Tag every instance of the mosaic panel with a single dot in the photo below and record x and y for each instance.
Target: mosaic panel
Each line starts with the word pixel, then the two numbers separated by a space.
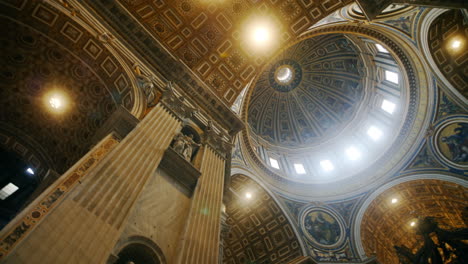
pixel 322 227
pixel 450 141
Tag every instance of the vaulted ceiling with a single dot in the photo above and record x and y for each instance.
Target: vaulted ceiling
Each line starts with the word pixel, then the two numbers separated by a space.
pixel 260 232
pixel 46 51
pixel 208 36
pixel 386 224
pixel 450 26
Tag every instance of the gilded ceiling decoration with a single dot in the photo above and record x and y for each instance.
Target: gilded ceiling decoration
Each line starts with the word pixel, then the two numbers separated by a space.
pixel 386 224
pixel 259 230
pixel 45 52
pixel 449 27
pixel 207 35
pixel 324 92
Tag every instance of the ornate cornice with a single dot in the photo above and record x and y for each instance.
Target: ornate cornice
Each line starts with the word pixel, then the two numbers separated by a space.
pixel 123 26
pixel 176 104
pixel 217 142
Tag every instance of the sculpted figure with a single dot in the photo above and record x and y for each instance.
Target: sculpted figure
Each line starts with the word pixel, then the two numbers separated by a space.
pixel 148 88
pixel 189 144
pixel 179 144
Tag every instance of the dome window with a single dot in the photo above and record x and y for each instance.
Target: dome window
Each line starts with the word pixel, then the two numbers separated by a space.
pixel 353 153
pixel 299 168
pixel 380 48
pixel 388 106
pixel 374 133
pixel 391 76
pixel 284 74
pixel 274 163
pixel 327 165
pixel 8 190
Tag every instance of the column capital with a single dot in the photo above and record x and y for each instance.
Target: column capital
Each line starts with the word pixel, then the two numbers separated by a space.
pixel 176 104
pixel 216 142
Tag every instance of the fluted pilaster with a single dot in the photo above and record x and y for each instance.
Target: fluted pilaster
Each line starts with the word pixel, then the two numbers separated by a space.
pixel 200 242
pixel 85 226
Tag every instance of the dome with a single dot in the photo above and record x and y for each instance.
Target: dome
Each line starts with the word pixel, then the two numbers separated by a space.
pixel 309 93
pixel 328 109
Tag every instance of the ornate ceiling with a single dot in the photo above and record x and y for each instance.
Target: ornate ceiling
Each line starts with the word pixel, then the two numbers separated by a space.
pixel 45 52
pixel 207 35
pixel 259 230
pixel 385 225
pixel 323 94
pixel 452 63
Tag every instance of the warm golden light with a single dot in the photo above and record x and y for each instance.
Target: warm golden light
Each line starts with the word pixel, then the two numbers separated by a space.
pixel 56 101
pixel 413 223
pixel 394 200
pixel 248 195
pixel 456 44
pixel 260 34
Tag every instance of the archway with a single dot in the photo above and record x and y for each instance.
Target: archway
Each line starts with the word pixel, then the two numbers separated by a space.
pixel 389 216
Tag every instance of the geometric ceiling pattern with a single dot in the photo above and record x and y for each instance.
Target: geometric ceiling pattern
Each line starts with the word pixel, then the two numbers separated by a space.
pixel 450 26
pixel 259 230
pixel 208 37
pixel 47 51
pixel 386 224
pixel 321 98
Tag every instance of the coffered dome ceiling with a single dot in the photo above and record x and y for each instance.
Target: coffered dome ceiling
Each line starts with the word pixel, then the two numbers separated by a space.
pixel 47 53
pixel 332 108
pixel 309 93
pixel 206 35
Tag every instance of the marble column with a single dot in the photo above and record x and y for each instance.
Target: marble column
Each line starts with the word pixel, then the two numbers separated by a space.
pixel 201 239
pixel 87 223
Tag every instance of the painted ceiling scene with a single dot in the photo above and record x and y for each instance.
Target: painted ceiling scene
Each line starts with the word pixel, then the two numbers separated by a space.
pixel 345 123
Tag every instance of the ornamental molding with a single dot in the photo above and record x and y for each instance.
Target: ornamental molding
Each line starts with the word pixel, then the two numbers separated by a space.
pixel 176 104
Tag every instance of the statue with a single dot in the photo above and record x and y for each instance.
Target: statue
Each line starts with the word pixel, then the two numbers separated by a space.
pixel 148 88
pixel 189 144
pixel 179 143
pixel 183 145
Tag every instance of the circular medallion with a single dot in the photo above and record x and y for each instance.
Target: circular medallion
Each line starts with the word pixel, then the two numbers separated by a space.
pixel 451 142
pixel 323 227
pixel 285 75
